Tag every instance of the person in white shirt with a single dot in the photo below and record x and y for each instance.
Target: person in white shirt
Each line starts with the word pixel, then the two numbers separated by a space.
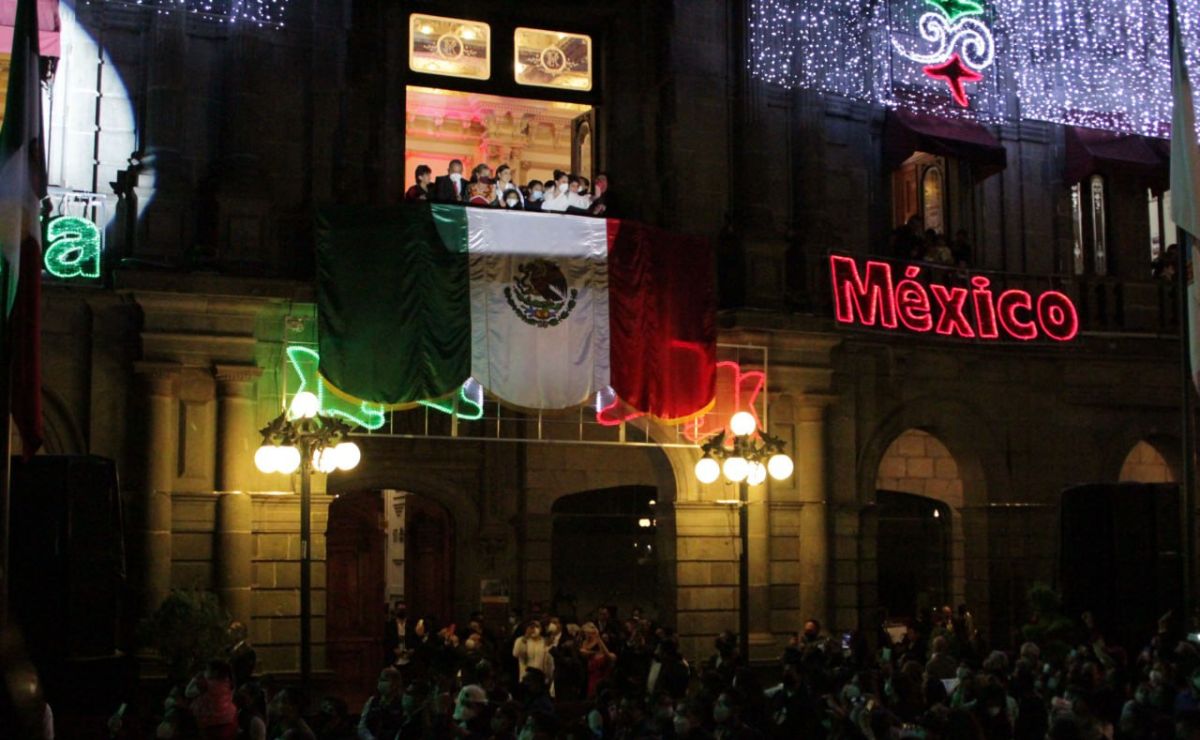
pixel 504 185
pixel 577 197
pixel 532 651
pixel 558 198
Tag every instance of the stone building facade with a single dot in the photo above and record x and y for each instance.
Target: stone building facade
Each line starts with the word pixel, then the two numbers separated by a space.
pixel 212 144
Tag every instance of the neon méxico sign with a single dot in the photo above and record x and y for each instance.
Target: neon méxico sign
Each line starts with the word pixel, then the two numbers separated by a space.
pixel 873 298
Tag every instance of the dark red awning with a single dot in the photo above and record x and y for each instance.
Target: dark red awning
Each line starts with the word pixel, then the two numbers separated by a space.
pixel 905 133
pixel 1093 152
pixel 49 26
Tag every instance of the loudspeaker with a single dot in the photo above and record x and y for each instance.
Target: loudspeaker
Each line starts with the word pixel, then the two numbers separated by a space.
pixel 1121 556
pixel 67 555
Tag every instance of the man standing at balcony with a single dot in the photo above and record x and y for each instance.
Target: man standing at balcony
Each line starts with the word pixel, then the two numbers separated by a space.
pixel 450 187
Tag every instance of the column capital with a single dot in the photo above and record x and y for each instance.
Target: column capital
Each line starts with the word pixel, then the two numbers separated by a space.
pixel 236 380
pixel 159 377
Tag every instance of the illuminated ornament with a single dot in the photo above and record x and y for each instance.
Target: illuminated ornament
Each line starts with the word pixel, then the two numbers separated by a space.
pixel 261 13
pixel 955 75
pixel 73 248
pixel 347 455
pixel 325 460
pixel 287 459
pixel 737 390
pixel 469 403
pixel 265 459
pixel 743 424
pixel 956 8
pixel 304 363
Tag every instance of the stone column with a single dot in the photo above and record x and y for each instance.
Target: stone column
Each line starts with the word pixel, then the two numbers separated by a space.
pixel 762 641
pixel 811 482
pixel 233 551
pixel 239 438
pixel 161 388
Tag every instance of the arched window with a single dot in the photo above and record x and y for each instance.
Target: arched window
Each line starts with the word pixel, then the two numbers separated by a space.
pixel 1089 227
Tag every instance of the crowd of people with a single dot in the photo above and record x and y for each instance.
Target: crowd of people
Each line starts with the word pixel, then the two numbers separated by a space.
pixel 565 193
pixel 912 241
pixel 622 679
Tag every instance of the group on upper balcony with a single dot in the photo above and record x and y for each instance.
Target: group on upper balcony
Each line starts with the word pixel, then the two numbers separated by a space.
pixel 566 193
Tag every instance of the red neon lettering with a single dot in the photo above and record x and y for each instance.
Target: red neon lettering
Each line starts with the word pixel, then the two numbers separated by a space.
pixel 1057 315
pixel 912 302
pixel 975 312
pixel 871 300
pixel 1006 307
pixel 985 310
pixel 953 320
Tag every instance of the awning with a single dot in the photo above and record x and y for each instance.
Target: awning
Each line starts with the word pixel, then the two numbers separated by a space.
pixel 49 26
pixel 1093 152
pixel 905 133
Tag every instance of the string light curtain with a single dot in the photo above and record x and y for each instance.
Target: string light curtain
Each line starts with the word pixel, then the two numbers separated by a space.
pixel 258 12
pixel 1094 63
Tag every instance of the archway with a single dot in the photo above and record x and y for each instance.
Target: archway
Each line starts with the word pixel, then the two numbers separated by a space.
pixel 916 525
pixel 1145 463
pixel 382 546
pixel 605 552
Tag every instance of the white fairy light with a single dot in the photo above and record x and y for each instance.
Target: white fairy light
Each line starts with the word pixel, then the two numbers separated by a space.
pixel 262 13
pixel 1095 63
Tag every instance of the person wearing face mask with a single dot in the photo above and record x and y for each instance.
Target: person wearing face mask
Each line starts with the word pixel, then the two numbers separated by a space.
pixel 512 200
pixel 505 185
pixel 532 651
pixel 578 201
pixel 452 186
pixel 536 194
pixel 383 715
pixel 418 712
pixel 558 197
pixel 470 713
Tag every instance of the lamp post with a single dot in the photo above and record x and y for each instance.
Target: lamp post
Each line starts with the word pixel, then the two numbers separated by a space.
pixel 302 438
pixel 747 462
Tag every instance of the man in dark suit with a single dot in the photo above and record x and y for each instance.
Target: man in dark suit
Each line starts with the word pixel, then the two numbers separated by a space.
pixel 451 187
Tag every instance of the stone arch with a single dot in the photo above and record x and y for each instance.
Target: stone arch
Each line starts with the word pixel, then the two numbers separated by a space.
pixel 965 433
pixel 918 463
pixel 1146 464
pixel 1151 443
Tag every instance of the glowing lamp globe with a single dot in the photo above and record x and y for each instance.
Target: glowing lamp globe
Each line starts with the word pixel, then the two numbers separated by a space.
pixel 736 469
pixel 757 474
pixel 287 459
pixel 347 455
pixel 324 460
pixel 305 405
pixel 707 470
pixel 780 466
pixel 742 423
pixel 265 459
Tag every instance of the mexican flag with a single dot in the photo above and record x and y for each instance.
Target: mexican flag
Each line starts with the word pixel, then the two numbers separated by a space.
pixel 22 187
pixel 543 310
pixel 1185 182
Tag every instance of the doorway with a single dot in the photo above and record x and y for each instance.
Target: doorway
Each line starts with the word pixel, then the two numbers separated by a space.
pixel 382 546
pixel 913 550
pixel 533 137
pixel 604 551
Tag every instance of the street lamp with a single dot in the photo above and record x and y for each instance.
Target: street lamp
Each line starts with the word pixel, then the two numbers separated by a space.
pixel 747 462
pixel 302 438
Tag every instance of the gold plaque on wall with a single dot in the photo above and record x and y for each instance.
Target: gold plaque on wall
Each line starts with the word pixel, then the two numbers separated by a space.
pixel 449 46
pixel 553 59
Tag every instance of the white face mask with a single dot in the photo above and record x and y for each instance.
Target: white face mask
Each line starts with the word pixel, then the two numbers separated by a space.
pixel 512 202
pixel 535 195
pixel 456 177
pixel 562 187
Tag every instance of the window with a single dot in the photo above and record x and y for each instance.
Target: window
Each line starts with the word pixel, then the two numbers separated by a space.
pixel 1162 226
pixel 553 59
pixel 449 46
pixel 1089 228
pixel 931 199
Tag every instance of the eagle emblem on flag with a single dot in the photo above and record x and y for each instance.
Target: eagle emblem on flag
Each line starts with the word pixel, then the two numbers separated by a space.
pixel 539 294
